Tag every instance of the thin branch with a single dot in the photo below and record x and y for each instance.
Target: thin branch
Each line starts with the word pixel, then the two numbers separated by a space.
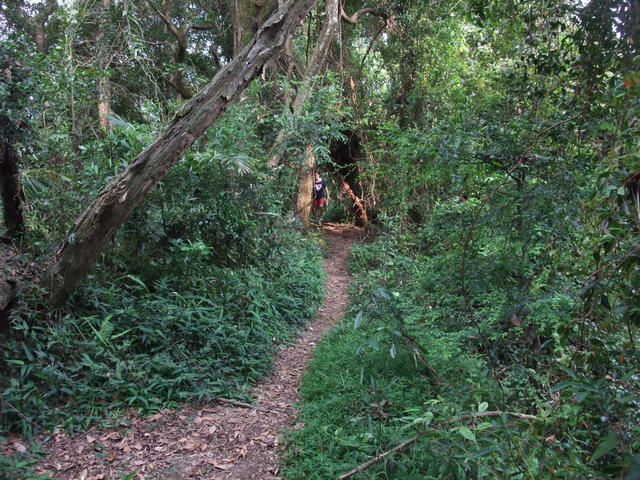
pixel 419 435
pixel 246 405
pixel 22 415
pixel 373 41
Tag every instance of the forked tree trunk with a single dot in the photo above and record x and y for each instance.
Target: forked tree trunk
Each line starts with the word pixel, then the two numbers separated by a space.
pixel 100 221
pixel 12 196
pixel 247 18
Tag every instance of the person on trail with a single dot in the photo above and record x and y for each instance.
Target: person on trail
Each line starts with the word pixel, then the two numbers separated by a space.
pixel 320 197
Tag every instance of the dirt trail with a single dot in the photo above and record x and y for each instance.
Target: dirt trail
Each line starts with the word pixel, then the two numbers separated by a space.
pixel 217 441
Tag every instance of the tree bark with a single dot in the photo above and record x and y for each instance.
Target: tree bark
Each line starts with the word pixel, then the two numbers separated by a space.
pixel 305 186
pixel 100 221
pixel 12 196
pixel 248 15
pixel 104 85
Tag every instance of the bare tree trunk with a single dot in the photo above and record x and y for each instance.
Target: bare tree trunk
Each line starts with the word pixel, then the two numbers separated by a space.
pixel 316 62
pixel 100 221
pixel 104 87
pixel 12 196
pixel 305 186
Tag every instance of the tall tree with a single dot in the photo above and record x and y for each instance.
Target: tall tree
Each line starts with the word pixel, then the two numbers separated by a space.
pixel 32 18
pixel 180 34
pixel 104 61
pixel 99 222
pixel 308 166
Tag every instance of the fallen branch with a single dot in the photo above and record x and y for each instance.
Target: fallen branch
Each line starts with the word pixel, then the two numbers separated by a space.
pixel 362 211
pixel 418 436
pixel 246 405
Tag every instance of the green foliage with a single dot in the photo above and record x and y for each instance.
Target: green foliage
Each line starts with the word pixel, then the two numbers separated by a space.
pixel 196 291
pixel 127 343
pixel 505 269
pixel 15 87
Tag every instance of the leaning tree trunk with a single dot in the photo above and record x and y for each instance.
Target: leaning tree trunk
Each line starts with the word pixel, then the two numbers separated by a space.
pixel 99 222
pixel 11 189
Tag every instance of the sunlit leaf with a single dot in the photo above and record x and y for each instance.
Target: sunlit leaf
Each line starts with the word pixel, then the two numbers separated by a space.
pixel 466 433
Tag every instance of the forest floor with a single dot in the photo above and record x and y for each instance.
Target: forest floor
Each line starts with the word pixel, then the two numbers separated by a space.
pixel 222 440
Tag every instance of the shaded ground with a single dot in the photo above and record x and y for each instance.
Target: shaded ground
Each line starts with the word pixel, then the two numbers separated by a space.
pixel 224 440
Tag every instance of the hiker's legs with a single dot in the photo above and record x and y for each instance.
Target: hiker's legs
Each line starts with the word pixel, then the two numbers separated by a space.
pixel 322 206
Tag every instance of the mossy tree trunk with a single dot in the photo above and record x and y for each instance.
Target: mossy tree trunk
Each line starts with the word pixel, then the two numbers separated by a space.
pixel 100 221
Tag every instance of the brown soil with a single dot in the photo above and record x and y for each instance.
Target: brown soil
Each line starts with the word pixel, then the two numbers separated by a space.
pixel 221 440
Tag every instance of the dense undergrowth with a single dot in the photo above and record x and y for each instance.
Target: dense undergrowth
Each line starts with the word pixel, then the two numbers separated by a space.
pixel 410 361
pixel 495 319
pixel 187 304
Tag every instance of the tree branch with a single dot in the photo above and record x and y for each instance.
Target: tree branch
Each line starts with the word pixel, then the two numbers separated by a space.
pixel 373 41
pixel 353 19
pixel 419 435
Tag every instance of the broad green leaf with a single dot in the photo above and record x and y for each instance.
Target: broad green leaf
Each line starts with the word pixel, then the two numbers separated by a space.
pixel 483 451
pixel 137 280
pixel 562 385
pixel 606 445
pixel 466 433
pixel 358 320
pixel 382 293
pixel 483 407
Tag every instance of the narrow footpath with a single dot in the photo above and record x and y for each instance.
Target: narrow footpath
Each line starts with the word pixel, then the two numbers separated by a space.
pixel 224 440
